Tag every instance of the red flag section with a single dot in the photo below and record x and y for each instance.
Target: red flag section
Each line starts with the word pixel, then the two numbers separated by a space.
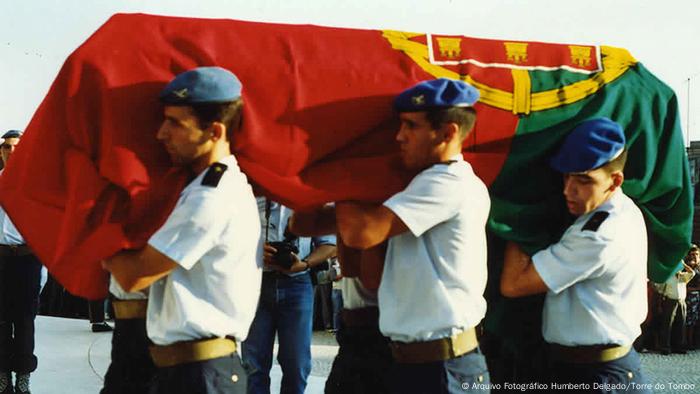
pixel 89 177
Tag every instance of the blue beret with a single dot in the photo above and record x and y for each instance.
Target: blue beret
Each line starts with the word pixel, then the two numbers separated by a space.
pixel 436 93
pixel 12 134
pixel 202 85
pixel 590 145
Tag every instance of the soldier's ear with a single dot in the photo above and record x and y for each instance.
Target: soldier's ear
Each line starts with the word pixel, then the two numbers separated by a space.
pixel 617 178
pixel 218 131
pixel 449 130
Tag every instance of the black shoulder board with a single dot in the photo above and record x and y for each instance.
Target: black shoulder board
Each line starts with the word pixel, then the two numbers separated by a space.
pixel 214 174
pixel 595 221
pixel 447 163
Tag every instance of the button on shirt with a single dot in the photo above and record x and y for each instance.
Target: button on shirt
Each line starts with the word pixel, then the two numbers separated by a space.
pixel 9 235
pixel 596 279
pixel 213 234
pixel 279 217
pixel 435 274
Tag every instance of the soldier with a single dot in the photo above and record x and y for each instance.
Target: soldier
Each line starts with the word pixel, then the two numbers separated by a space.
pixel 20 272
pixel 595 276
pixel 131 370
pixel 203 265
pixel 431 292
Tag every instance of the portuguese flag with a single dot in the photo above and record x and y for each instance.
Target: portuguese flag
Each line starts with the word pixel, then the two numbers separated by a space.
pixel 89 177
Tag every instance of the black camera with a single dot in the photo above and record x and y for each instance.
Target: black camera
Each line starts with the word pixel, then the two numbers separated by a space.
pixel 283 257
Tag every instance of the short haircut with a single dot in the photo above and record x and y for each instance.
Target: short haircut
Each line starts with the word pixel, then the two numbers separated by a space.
pixel 228 113
pixel 464 117
pixel 694 248
pixel 616 164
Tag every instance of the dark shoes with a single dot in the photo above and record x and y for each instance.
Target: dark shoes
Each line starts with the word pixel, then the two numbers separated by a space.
pixel 101 327
pixel 674 351
pixel 22 384
pixel 6 383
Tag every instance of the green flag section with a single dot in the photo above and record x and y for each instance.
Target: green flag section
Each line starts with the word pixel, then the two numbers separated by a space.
pixel 527 202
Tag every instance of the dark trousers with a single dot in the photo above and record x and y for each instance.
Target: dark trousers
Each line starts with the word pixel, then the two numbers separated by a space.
pixel 465 374
pixel 323 306
pixel 362 363
pixel 96 311
pixel 224 375
pixel 672 325
pixel 19 302
pixel 606 377
pixel 131 370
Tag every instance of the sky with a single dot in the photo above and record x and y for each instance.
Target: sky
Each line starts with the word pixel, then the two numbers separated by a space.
pixel 36 36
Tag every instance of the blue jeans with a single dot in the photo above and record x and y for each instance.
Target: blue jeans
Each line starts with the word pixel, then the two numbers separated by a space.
pixel 285 309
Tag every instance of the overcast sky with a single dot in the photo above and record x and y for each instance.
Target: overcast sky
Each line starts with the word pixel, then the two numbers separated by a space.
pixel 37 35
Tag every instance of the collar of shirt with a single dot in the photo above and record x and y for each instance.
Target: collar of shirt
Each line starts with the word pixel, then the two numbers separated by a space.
pixel 457 157
pixel 608 205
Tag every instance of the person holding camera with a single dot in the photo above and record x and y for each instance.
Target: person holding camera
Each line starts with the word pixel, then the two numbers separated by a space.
pixel 285 308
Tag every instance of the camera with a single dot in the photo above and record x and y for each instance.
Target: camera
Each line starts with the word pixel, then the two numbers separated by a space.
pixel 283 257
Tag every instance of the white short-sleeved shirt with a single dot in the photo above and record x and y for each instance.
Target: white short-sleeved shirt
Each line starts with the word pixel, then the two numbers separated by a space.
pixel 596 276
pixel 8 232
pixel 213 233
pixel 120 294
pixel 355 295
pixel 435 274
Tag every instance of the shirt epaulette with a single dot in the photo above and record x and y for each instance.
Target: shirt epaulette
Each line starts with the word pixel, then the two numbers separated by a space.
pixel 214 174
pixel 595 221
pixel 447 163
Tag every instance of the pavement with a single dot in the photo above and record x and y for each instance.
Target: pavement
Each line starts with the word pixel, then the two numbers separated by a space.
pixel 674 373
pixel 73 359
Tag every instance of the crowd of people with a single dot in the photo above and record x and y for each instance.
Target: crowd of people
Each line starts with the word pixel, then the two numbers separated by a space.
pixel 673 324
pixel 198 308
